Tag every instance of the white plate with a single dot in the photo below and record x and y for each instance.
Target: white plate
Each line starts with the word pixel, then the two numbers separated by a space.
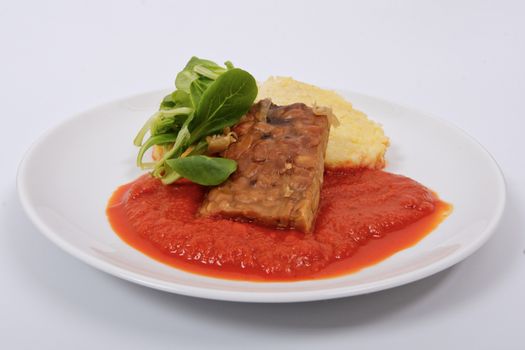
pixel 67 176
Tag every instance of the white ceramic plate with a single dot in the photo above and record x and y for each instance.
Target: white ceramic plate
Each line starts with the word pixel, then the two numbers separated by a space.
pixel 67 176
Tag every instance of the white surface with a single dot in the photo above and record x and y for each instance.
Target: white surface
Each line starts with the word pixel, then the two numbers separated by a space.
pixel 462 61
pixel 80 227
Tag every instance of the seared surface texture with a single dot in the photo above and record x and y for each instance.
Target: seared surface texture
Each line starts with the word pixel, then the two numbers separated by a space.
pixel 280 156
pixel 357 142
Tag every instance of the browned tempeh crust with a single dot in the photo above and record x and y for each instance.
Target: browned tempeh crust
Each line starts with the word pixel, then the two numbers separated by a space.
pixel 280 156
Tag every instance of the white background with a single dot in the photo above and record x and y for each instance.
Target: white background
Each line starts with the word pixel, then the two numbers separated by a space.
pixel 461 60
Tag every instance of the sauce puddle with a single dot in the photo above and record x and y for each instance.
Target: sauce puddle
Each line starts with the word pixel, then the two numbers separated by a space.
pixel 365 216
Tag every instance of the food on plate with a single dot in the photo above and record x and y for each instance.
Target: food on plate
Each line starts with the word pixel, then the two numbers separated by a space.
pixel 357 142
pixel 208 99
pixel 283 189
pixel 364 217
pixel 280 155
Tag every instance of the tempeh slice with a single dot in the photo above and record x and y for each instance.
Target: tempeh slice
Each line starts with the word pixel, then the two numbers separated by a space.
pixel 280 155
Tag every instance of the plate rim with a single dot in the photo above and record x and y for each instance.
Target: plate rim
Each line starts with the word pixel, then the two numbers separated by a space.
pixel 263 297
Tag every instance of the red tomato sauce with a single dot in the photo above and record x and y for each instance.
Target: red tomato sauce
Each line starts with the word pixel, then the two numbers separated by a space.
pixel 365 216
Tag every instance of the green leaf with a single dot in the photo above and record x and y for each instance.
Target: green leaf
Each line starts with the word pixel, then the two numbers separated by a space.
pixel 170 177
pixel 188 74
pixel 181 98
pixel 169 120
pixel 210 73
pixel 155 140
pixel 200 147
pixel 208 98
pixel 176 99
pixel 223 103
pixel 197 88
pixel 203 170
pixel 181 141
pixel 167 102
pixel 184 80
pixel 137 141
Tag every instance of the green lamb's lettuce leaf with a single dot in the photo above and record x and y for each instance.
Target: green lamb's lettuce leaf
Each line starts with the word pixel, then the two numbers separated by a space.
pixel 169 120
pixel 177 98
pixel 208 99
pixel 224 103
pixel 204 170
pixel 167 103
pixel 154 140
pixel 197 89
pixel 195 68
